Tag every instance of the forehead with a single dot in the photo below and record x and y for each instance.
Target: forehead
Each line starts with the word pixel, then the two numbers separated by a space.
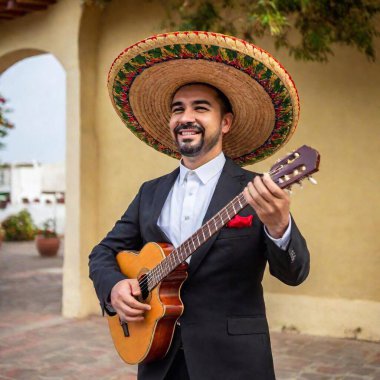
pixel 195 92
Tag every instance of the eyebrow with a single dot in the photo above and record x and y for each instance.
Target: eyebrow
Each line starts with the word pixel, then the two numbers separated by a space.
pixel 195 102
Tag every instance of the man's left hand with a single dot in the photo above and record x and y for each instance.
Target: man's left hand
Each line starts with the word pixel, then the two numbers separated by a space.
pixel 271 204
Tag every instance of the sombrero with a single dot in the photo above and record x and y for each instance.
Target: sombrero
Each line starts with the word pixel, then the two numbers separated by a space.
pixel 144 77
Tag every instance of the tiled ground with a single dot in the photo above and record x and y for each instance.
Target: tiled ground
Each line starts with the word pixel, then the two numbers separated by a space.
pixel 37 343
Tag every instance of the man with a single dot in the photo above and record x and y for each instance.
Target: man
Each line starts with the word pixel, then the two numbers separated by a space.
pixel 223 332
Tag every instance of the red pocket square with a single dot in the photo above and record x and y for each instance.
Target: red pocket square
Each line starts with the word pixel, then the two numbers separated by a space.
pixel 240 221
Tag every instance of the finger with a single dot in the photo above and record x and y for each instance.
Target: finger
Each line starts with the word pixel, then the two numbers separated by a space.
pixel 134 319
pixel 263 190
pixel 256 197
pixel 251 201
pixel 135 288
pixel 130 312
pixel 126 318
pixel 134 304
pixel 273 188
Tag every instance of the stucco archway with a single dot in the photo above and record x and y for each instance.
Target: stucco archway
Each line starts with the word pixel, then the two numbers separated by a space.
pixel 69 32
pixel 9 59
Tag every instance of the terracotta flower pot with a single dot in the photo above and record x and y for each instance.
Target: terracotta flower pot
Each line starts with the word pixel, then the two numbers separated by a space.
pixel 47 246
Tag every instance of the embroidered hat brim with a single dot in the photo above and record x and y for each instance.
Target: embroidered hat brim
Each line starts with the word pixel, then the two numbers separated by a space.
pixel 144 77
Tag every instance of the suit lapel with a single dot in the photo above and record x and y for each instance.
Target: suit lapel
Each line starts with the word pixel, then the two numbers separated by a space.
pixel 160 196
pixel 230 184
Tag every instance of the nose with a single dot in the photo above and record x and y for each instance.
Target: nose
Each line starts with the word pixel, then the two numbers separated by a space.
pixel 187 116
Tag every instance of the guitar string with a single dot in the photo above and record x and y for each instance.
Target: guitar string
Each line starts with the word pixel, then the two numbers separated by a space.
pixel 163 267
pixel 181 250
pixel 151 278
pixel 169 263
pixel 156 275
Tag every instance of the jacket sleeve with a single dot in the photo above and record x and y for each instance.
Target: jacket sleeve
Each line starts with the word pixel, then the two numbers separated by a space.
pixel 292 265
pixel 125 235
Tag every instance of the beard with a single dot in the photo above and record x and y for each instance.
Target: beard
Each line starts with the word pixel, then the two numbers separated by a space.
pixel 187 147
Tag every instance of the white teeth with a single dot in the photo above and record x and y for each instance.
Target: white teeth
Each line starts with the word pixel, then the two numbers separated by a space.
pixel 188 133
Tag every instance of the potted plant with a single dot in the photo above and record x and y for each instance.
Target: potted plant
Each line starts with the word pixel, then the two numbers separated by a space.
pixel 19 227
pixel 47 240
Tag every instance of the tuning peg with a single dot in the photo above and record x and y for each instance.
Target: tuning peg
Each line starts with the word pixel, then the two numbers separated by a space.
pixel 312 180
pixel 286 177
pixel 296 154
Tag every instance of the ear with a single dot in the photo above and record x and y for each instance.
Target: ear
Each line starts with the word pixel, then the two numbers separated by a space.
pixel 227 122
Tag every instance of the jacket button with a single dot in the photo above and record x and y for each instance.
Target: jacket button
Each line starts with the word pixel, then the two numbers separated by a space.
pixel 292 255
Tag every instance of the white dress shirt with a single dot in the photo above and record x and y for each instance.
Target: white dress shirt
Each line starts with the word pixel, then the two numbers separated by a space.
pixel 189 198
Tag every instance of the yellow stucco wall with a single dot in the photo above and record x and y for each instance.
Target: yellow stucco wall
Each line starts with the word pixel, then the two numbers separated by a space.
pixel 339 116
pixel 339 217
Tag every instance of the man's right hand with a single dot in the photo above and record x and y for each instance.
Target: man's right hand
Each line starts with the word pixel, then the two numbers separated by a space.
pixel 123 300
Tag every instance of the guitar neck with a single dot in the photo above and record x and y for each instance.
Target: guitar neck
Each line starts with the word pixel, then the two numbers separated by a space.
pixel 291 169
pixel 190 245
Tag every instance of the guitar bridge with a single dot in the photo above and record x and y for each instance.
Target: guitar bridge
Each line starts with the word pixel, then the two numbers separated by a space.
pixel 124 326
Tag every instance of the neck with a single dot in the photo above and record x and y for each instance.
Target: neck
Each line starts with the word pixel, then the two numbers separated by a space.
pixel 193 163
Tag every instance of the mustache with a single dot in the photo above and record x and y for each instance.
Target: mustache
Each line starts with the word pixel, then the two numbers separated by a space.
pixel 195 126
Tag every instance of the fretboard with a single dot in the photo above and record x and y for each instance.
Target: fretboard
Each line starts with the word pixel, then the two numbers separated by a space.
pixel 190 245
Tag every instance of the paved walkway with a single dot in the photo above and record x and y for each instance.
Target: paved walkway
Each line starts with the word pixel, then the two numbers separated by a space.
pixel 37 343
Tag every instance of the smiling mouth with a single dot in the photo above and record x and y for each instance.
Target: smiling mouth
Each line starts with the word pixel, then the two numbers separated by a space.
pixel 188 133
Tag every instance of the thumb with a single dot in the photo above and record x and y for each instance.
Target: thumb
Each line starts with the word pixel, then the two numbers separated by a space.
pixel 135 288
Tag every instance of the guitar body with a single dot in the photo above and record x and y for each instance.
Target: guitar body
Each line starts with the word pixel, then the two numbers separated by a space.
pixel 142 342
pixel 150 339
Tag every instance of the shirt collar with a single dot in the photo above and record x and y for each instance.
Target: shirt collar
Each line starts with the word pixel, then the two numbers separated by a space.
pixel 206 171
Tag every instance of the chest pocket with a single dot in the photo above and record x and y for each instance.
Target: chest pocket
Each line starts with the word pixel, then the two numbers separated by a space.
pixel 234 233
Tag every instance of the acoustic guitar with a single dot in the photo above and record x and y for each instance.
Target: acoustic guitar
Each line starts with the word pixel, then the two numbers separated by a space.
pixel 161 270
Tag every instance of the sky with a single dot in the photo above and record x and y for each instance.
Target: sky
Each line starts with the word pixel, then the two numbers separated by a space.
pixel 36 93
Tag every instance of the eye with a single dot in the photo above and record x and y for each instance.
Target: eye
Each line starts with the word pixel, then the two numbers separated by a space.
pixel 177 109
pixel 201 108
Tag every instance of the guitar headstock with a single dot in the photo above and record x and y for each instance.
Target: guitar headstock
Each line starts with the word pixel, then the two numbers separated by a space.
pixel 295 167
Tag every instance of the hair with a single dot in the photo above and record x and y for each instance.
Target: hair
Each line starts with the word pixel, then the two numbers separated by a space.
pixel 225 105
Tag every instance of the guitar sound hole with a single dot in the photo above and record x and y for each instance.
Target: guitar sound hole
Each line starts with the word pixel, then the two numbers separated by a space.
pixel 143 282
pixel 144 294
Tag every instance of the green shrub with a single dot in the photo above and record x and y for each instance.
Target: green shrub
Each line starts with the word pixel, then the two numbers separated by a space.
pixel 19 227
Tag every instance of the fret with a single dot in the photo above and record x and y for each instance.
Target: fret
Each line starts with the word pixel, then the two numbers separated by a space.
pixel 216 227
pixel 203 233
pixel 223 217
pixel 195 242
pixel 209 231
pixel 194 247
pixel 217 221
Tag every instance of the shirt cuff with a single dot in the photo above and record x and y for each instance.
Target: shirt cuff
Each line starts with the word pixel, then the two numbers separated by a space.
pixel 283 241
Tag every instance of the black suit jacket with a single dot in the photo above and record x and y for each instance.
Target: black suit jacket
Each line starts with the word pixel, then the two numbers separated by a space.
pixel 224 328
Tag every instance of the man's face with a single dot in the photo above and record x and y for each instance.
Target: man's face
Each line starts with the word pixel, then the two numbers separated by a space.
pixel 196 122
